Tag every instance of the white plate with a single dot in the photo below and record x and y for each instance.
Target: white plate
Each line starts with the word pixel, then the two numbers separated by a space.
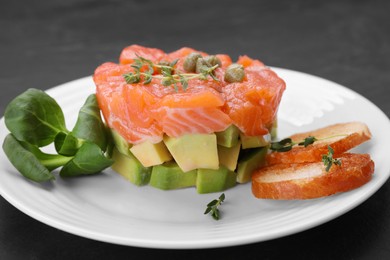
pixel 105 207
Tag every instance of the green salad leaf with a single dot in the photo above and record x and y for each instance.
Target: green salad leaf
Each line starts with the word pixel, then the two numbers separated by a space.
pixel 34 117
pixel 30 161
pixel 89 159
pixel 35 120
pixel 89 125
pixel 67 144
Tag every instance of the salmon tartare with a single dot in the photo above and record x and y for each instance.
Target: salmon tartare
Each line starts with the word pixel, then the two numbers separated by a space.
pixel 188 111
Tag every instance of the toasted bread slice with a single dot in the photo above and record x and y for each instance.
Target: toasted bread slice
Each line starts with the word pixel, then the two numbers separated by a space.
pixel 344 136
pixel 311 180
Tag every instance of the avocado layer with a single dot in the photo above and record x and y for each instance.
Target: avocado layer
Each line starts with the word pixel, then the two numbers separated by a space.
pixel 169 176
pixel 120 143
pixel 209 180
pixel 211 162
pixel 129 167
pixel 250 160
pixel 151 154
pixel 254 141
pixel 228 157
pixel 194 151
pixel 273 130
pixel 228 137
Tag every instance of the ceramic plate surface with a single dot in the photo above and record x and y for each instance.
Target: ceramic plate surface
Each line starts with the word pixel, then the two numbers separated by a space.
pixel 106 207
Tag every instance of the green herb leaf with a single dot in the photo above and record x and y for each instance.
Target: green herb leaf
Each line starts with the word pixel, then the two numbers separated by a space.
pixel 184 82
pixel 166 81
pixel 283 145
pixel 30 161
pixel 173 63
pixel 89 125
pixel 212 207
pixel 328 159
pixel 166 71
pixel 308 141
pixel 34 117
pixel 67 144
pixel 148 78
pixel 35 120
pixel 89 159
pixel 167 76
pixel 132 78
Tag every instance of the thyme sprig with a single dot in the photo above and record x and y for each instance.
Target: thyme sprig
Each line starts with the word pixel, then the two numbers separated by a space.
pixel 328 159
pixel 169 76
pixel 287 144
pixel 212 207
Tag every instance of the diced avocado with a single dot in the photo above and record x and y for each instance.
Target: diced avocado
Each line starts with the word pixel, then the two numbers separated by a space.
pixel 209 180
pixel 228 157
pixel 250 160
pixel 151 154
pixel 120 143
pixel 228 137
pixel 193 151
pixel 129 167
pixel 169 176
pixel 274 129
pixel 254 141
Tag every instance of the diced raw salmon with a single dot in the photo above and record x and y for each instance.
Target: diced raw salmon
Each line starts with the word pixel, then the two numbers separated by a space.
pixel 146 112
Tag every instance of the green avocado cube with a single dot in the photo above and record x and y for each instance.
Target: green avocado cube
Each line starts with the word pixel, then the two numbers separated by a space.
pixel 193 151
pixel 228 156
pixel 228 137
pixel 130 168
pixel 150 154
pixel 209 180
pixel 273 129
pixel 120 143
pixel 254 141
pixel 169 176
pixel 249 161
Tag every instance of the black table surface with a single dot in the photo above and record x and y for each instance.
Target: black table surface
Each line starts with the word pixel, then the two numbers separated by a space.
pixel 46 43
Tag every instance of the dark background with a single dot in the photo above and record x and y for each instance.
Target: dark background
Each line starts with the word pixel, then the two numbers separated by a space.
pixel 46 43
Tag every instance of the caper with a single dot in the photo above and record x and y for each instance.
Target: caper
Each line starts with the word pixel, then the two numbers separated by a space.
pixel 213 60
pixel 234 73
pixel 205 63
pixel 190 61
pixel 201 64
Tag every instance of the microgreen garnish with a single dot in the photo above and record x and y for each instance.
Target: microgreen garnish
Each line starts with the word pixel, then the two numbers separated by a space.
pixel 287 144
pixel 328 159
pixel 283 145
pixel 169 76
pixel 212 207
pixel 308 141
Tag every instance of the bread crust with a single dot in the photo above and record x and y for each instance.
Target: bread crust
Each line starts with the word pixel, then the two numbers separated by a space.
pixel 345 137
pixel 310 180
